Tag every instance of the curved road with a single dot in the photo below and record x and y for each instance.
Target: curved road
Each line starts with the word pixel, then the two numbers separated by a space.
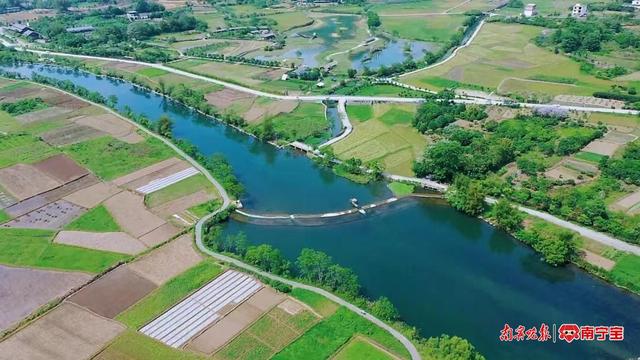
pixel 226 202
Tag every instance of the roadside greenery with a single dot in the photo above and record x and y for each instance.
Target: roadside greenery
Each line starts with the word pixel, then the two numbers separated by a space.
pixel 23 106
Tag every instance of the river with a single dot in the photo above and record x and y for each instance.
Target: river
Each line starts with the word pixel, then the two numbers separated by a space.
pixel 446 272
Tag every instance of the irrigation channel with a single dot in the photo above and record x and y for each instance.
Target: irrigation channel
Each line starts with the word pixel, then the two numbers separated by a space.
pixel 446 272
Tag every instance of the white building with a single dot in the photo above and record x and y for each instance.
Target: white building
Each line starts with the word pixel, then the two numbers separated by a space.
pixel 530 10
pixel 579 11
pixel 635 4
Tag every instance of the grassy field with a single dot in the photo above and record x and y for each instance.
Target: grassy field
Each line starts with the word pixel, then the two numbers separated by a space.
pixel 503 57
pixel 213 20
pixel 361 349
pixel 318 303
pixel 626 272
pixel 329 335
pixel 168 294
pixel 33 248
pixel 306 123
pixel 133 345
pixel 182 188
pixel 589 156
pixel 23 148
pixel 267 336
pixel 360 113
pixel 4 217
pixel 401 189
pixel 428 6
pixel 109 158
pixel 289 20
pixel 206 208
pixel 97 219
pixel 387 136
pixel 152 72
pixel 438 28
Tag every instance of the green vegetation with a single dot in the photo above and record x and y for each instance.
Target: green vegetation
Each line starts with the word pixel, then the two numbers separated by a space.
pixel 133 345
pixel 626 272
pixel 432 28
pixel 4 217
pixel 168 294
pixel 23 148
pixel 590 157
pixel 360 113
pixel 23 106
pixel 317 302
pixel 268 335
pixel 329 335
pixel 466 195
pixel 34 248
pixel 401 189
pixel 152 72
pixel 97 219
pixel 182 188
pixel 507 216
pixel 204 209
pixel 307 123
pixel 109 158
pixel 557 245
pixel 627 168
pixel 385 135
pixel 361 349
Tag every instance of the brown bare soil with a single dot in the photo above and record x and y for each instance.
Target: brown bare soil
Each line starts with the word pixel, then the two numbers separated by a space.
pixel 178 205
pixel 165 263
pixel 112 125
pixel 216 336
pixel 61 167
pixel 113 293
pixel 601 147
pixel 292 307
pixel 145 171
pixel 43 114
pixel 130 213
pixel 24 181
pixel 273 74
pixel 111 241
pixel 627 202
pixel 159 235
pixel 70 134
pixel 51 196
pixel 597 260
pixel 259 112
pixel 224 98
pixel 53 216
pixel 25 16
pixel 93 195
pixel 20 93
pixel 23 290
pixel 68 332
pixel 266 299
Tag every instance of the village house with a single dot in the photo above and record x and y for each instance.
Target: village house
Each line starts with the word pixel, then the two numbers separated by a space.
pixel 530 10
pixel 579 11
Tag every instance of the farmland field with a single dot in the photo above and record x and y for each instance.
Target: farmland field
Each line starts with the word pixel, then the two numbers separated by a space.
pixel 429 6
pixel 432 28
pixel 387 136
pixel 97 219
pixel 23 148
pixel 136 346
pixel 168 294
pixel 28 247
pixel 361 349
pixel 182 188
pixel 307 122
pixel 503 57
pixel 109 158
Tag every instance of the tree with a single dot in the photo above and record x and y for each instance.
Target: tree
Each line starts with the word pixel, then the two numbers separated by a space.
pixel 384 309
pixel 373 20
pixel 448 347
pixel 557 250
pixel 112 101
pixel 507 217
pixel 313 265
pixel 267 258
pixel 376 169
pixel 466 195
pixel 268 131
pixel 342 280
pixel 352 73
pixel 442 161
pixel 165 127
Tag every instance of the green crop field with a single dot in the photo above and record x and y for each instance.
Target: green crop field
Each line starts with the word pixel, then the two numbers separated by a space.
pixel 182 188
pixel 437 28
pixel 387 136
pixel 270 334
pixel 626 272
pixel 152 72
pixel 23 148
pixel 401 189
pixel 97 219
pixel 4 217
pixel 109 158
pixel 318 303
pixel 361 349
pixel 503 57
pixel 289 20
pixel 330 334
pixel 420 6
pixel 359 112
pixel 168 294
pixel 34 248
pixel 307 122
pixel 133 345
pixel 589 156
